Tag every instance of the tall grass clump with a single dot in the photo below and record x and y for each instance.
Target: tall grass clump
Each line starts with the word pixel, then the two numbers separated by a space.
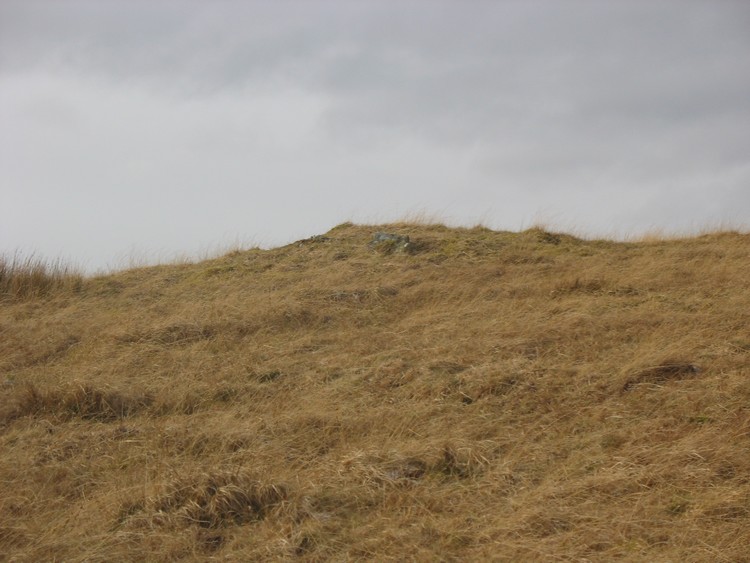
pixel 28 277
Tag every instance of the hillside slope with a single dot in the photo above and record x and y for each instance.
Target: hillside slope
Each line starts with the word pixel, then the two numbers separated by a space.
pixel 477 395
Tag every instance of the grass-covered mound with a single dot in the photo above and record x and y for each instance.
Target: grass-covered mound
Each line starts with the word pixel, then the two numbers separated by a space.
pixel 468 395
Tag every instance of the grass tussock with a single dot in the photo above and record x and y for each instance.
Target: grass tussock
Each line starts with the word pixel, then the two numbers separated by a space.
pixel 30 277
pixel 80 401
pixel 206 500
pixel 441 394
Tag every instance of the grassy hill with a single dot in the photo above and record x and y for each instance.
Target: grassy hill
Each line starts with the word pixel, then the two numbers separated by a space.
pixel 476 395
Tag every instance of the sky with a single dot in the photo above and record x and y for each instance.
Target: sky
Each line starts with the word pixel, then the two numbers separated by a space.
pixel 146 131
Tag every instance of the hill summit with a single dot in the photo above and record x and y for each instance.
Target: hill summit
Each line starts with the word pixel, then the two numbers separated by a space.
pixel 440 394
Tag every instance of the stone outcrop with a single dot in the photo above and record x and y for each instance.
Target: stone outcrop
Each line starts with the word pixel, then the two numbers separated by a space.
pixel 389 242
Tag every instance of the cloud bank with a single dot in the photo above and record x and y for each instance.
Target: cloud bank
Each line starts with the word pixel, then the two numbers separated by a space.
pixel 167 127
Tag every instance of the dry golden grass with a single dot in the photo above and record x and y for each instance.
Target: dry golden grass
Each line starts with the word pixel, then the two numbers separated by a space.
pixel 29 277
pixel 475 396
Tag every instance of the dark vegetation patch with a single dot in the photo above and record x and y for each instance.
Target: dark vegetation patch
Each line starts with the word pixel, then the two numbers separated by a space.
pixel 461 462
pixel 171 334
pixel 493 388
pixel 662 373
pixel 83 401
pixel 87 402
pixel 392 468
pixel 359 295
pixel 592 286
pixel 12 536
pixel 447 368
pixel 185 333
pixel 267 376
pixel 212 501
pixel 546 525
pixel 316 239
pixel 579 285
pixel 547 237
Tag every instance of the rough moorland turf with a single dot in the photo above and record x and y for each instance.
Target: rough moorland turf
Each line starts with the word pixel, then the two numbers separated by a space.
pixel 480 396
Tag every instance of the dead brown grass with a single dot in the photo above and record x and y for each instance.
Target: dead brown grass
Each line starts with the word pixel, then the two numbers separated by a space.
pixel 29 277
pixel 485 396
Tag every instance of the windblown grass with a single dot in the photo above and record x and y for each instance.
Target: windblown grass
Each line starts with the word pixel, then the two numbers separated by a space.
pixel 487 395
pixel 30 276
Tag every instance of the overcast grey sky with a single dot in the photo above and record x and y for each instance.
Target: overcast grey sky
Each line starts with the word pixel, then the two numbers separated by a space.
pixel 164 127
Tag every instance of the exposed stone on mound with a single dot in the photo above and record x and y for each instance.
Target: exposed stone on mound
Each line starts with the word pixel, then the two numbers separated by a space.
pixel 389 242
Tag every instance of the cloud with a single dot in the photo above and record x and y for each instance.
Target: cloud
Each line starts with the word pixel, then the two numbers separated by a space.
pixel 188 122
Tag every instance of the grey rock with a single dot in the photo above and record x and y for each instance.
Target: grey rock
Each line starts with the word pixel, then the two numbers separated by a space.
pixel 391 242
